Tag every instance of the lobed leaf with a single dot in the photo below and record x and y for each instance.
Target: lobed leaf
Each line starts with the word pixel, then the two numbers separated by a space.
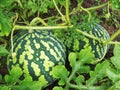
pixel 116 58
pixel 60 72
pixel 72 58
pixel 15 74
pixel 99 73
pixel 112 75
pixel 79 79
pixel 76 45
pixel 84 69
pixel 116 50
pixel 29 85
pixel 86 55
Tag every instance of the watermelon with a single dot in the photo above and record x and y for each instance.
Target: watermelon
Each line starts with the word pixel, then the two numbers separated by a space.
pixel 36 53
pixel 76 41
pixel 98 48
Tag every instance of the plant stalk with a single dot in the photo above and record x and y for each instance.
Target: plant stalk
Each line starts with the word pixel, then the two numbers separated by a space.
pixel 89 14
pixel 88 35
pixel 113 37
pixel 63 18
pixel 37 20
pixel 91 8
pixel 97 7
pixel 12 41
pixel 17 27
pixel 75 69
pixel 67 12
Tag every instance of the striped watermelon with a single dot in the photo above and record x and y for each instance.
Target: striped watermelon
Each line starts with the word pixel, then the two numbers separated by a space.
pixel 99 49
pixel 37 52
pixel 75 41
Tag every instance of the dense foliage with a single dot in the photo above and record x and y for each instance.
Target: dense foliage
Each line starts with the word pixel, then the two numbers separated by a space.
pixel 65 19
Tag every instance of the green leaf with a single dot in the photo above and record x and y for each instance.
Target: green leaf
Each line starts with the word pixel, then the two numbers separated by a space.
pixel 33 6
pixel 61 82
pixel 99 73
pixel 5 24
pixel 115 4
pixel 15 74
pixel 3 51
pixel 5 2
pixel 43 81
pixel 36 85
pixel 58 88
pixel 116 58
pixel 44 6
pixel 27 80
pixel 86 55
pixel 76 45
pixel 4 88
pixel 116 62
pixel 29 84
pixel 112 75
pixel 84 69
pixel 60 72
pixel 115 86
pixel 9 4
pixel 16 70
pixel 62 2
pixel 116 50
pixel 72 58
pixel 79 79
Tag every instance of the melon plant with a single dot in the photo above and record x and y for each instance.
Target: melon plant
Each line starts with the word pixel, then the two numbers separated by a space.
pixel 36 52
